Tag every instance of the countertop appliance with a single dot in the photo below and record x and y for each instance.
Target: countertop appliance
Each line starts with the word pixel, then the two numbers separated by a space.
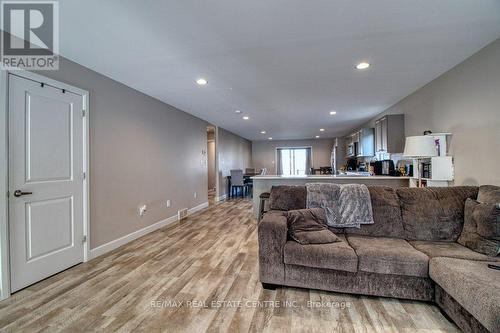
pixel 351 164
pixel 384 167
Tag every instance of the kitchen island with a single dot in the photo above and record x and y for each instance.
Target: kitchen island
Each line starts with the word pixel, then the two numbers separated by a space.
pixel 264 183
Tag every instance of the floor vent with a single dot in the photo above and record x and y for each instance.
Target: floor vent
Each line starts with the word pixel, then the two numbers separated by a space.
pixel 182 214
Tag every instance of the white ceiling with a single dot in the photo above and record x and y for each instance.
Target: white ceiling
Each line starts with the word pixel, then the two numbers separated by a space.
pixel 284 63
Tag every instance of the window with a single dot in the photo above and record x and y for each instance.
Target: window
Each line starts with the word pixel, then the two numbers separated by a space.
pixel 293 161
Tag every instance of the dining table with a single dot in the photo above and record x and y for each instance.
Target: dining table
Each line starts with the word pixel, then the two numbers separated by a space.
pixel 246 179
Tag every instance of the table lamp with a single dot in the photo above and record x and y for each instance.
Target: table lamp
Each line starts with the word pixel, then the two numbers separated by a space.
pixel 419 147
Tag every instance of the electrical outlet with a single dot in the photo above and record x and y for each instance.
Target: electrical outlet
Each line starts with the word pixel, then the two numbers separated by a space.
pixel 142 210
pixel 195 195
pixel 168 203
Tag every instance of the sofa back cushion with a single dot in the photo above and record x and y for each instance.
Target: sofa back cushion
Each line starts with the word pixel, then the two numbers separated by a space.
pixel 386 214
pixel 287 197
pixel 481 231
pixel 489 194
pixel 434 213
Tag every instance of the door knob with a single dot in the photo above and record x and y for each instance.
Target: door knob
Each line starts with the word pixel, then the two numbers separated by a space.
pixel 18 193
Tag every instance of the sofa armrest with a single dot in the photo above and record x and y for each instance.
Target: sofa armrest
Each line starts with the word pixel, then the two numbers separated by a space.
pixel 272 233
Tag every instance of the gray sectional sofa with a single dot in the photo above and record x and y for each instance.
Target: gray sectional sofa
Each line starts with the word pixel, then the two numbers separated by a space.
pixel 410 252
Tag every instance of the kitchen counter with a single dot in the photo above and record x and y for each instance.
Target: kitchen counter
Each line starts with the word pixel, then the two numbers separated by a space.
pixel 264 183
pixel 328 177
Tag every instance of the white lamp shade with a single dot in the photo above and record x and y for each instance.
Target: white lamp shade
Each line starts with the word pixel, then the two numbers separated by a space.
pixel 420 146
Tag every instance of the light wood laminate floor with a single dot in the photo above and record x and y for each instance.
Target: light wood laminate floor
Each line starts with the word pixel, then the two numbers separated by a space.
pixel 207 259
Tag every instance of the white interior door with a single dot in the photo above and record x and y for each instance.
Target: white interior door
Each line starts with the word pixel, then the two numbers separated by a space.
pixel 45 180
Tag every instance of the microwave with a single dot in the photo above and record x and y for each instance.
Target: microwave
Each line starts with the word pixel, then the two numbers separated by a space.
pixel 352 149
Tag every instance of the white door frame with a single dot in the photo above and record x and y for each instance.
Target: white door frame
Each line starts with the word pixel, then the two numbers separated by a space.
pixel 216 138
pixel 4 169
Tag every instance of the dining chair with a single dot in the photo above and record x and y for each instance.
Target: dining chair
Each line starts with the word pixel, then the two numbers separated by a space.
pixel 263 171
pixel 237 182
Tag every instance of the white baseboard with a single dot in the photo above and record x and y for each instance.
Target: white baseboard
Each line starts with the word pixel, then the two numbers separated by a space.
pixel 197 208
pixel 104 248
pixel 222 197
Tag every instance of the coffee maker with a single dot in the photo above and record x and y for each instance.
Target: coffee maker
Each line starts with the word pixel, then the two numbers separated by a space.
pixel 384 168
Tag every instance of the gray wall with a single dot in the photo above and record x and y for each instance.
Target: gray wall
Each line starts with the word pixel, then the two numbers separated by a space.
pixel 234 152
pixel 466 102
pixel 264 152
pixel 142 151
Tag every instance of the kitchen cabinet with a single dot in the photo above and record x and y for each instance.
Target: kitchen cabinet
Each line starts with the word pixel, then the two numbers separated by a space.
pixel 366 143
pixel 390 134
pixel 351 144
pixel 360 143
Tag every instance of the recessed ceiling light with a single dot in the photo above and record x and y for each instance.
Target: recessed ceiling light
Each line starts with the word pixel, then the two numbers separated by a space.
pixel 270 138
pixel 332 113
pixel 246 117
pixel 321 129
pixel 362 65
pixel 237 111
pixel 262 132
pixel 201 81
pixel 317 136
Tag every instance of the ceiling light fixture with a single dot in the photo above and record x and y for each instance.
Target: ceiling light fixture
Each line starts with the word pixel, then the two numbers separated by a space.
pixel 262 132
pixel 237 111
pixel 332 113
pixel 321 129
pixel 201 81
pixel 317 136
pixel 270 138
pixel 246 117
pixel 362 65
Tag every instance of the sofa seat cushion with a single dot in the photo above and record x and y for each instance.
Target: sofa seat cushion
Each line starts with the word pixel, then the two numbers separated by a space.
pixel 338 256
pixel 473 285
pixel 448 249
pixel 388 256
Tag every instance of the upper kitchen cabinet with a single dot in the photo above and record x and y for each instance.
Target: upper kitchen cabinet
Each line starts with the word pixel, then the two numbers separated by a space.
pixel 366 145
pixel 390 134
pixel 360 143
pixel 351 145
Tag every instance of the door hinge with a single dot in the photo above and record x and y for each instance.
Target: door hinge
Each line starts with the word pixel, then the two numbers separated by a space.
pixel 84 239
pixel 83 113
pixel 84 175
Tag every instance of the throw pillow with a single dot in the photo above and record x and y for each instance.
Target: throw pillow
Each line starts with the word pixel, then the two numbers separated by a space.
pixel 481 231
pixel 308 226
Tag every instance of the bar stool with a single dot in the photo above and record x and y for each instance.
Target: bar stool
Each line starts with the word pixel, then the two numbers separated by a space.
pixel 264 196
